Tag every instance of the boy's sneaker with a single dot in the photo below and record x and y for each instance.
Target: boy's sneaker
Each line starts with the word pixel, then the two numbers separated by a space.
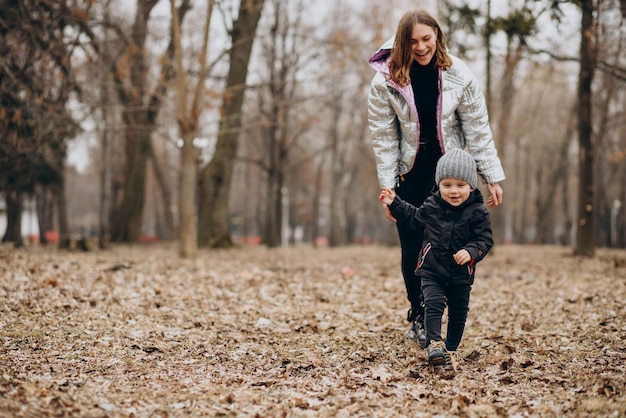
pixel 417 333
pixel 449 368
pixel 442 359
pixel 437 353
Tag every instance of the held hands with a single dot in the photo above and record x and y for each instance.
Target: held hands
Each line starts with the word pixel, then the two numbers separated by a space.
pixel 495 195
pixel 386 197
pixel 462 257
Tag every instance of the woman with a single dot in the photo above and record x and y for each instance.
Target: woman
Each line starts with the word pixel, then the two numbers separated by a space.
pixel 423 102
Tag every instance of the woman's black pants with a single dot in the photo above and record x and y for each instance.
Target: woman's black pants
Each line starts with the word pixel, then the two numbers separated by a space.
pixel 414 187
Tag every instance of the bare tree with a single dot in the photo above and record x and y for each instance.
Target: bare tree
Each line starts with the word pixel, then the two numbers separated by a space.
pixel 167 230
pixel 518 26
pixel 213 222
pixel 141 108
pixel 37 79
pixel 283 57
pixel 104 235
pixel 585 237
pixel 555 173
pixel 346 129
pixel 188 115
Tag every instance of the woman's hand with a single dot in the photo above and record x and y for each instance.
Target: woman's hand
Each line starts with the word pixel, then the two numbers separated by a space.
pixel 495 195
pixel 388 214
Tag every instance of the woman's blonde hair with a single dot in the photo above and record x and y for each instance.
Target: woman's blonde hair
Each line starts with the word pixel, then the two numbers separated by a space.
pixel 401 59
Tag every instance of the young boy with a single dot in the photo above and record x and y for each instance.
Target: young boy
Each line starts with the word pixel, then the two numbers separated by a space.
pixel 457 235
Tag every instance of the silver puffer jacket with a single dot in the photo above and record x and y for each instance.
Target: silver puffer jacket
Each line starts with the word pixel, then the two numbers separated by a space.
pixel 462 121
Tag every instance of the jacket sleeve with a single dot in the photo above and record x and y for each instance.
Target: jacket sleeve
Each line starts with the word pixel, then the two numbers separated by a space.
pixel 407 215
pixel 472 112
pixel 383 127
pixel 482 239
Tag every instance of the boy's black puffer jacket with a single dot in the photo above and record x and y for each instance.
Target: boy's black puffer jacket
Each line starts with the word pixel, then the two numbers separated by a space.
pixel 447 229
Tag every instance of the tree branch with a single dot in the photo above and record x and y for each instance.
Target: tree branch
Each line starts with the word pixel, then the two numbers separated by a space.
pixel 614 70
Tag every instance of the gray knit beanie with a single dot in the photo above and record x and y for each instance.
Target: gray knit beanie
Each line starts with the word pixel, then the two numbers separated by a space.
pixel 457 164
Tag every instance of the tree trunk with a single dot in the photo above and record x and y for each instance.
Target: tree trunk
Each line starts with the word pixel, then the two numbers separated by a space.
pixel 488 33
pixel 188 245
pixel 187 117
pixel 104 216
pixel 166 196
pixel 620 219
pixel 213 225
pixel 140 113
pixel 64 230
pixel 337 233
pixel 105 179
pixel 503 218
pixel 44 203
pixel 566 201
pixel 127 225
pixel 271 222
pixel 274 211
pixel 523 159
pixel 545 209
pixel 585 238
pixel 317 201
pixel 15 205
pixel 602 183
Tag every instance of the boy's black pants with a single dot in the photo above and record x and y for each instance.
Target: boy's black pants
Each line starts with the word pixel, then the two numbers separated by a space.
pixel 437 294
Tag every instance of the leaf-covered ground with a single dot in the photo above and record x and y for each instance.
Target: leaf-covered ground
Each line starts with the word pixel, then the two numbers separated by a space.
pixel 302 332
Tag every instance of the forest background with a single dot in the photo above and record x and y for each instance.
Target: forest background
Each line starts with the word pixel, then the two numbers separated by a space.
pixel 219 120
pixel 126 121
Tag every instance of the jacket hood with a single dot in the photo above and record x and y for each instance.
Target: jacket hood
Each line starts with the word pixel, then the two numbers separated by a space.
pixel 378 61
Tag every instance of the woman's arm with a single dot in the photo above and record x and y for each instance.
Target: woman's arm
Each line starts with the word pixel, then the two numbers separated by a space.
pixel 474 118
pixel 382 121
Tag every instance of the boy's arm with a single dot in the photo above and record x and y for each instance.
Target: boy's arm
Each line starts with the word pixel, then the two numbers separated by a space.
pixel 406 214
pixel 482 239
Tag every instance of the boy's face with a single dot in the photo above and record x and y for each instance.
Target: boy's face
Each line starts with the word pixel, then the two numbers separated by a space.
pixel 454 191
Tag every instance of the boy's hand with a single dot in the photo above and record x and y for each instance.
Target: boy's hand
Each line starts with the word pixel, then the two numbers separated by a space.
pixel 462 257
pixel 387 196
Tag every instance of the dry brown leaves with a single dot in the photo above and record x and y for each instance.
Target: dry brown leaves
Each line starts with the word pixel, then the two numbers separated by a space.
pixel 137 332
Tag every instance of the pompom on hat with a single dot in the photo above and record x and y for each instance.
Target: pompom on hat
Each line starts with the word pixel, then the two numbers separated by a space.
pixel 457 164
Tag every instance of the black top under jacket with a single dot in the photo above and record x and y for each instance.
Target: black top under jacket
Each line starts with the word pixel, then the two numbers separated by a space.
pixel 424 81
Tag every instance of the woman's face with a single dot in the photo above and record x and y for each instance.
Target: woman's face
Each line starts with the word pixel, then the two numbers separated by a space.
pixel 423 43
